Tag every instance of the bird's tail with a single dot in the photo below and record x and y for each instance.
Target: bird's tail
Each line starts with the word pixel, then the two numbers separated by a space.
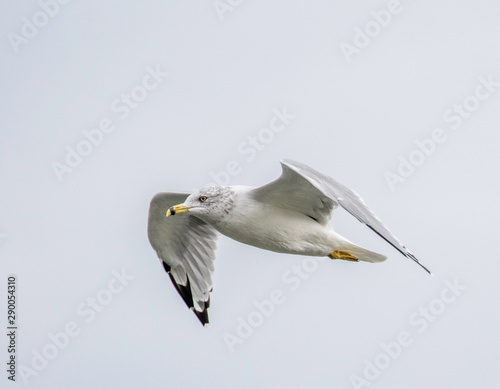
pixel 363 254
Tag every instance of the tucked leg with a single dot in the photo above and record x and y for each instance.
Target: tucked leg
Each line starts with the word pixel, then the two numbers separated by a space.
pixel 337 254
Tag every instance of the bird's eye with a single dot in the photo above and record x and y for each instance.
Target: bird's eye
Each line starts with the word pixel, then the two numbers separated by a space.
pixel 203 198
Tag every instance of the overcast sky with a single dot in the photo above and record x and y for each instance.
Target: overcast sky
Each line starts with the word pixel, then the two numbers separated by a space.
pixel 104 105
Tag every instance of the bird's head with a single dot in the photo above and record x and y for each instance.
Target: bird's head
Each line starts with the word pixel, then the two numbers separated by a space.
pixel 209 204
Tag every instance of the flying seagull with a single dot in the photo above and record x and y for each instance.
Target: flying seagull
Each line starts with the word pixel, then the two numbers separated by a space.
pixel 289 215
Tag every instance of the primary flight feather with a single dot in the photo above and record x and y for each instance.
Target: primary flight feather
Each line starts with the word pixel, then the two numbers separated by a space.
pixel 289 215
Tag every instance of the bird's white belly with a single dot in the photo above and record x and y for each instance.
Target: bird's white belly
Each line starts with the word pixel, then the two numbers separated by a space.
pixel 279 230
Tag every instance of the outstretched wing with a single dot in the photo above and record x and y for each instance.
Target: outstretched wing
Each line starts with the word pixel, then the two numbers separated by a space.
pixel 299 193
pixel 303 189
pixel 186 246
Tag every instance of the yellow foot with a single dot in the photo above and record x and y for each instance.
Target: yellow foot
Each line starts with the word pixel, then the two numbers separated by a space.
pixel 337 254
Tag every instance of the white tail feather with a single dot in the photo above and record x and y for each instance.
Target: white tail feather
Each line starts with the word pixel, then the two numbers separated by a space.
pixel 363 254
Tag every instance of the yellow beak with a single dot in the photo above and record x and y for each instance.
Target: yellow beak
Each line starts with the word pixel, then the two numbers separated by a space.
pixel 179 208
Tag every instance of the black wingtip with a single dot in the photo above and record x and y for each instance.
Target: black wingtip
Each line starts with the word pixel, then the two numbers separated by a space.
pixel 187 296
pixel 166 267
pixel 407 254
pixel 411 256
pixel 184 291
pixel 202 316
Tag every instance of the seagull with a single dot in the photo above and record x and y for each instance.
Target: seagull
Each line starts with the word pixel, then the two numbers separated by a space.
pixel 289 215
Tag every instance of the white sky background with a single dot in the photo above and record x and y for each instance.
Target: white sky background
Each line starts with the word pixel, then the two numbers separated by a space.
pixel 353 120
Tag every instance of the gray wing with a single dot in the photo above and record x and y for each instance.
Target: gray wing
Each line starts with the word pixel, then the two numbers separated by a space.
pixel 186 246
pixel 299 193
pixel 303 189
